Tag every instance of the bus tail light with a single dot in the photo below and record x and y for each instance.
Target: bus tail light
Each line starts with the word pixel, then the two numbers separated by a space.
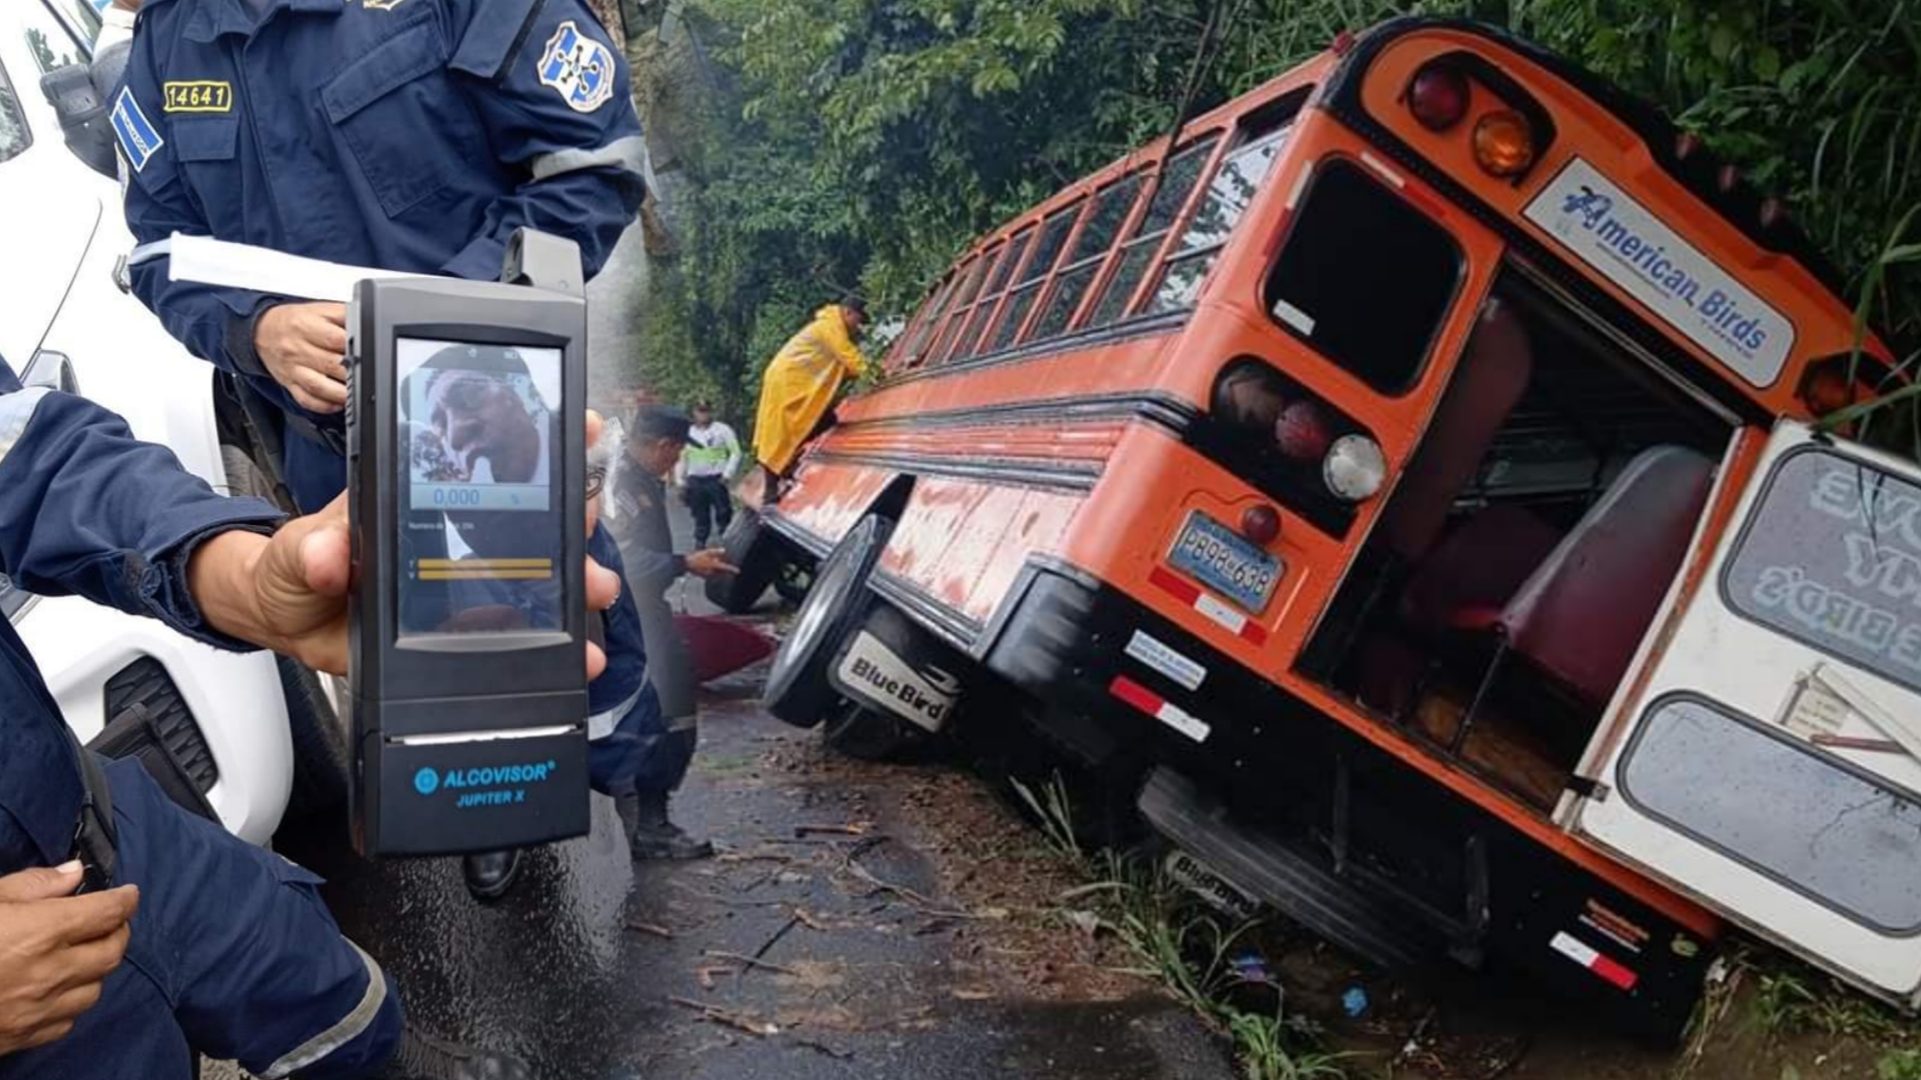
pixel 1261 524
pixel 1301 432
pixel 1438 96
pixel 1355 468
pixel 1503 143
pixel 1827 388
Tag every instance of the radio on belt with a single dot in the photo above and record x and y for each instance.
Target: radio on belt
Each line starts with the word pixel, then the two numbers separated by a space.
pixel 466 431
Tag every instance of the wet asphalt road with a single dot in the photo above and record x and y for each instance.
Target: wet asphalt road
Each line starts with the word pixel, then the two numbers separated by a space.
pixel 868 971
pixel 872 971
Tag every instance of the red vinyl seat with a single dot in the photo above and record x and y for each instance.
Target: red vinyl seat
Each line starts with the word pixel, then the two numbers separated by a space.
pixel 1580 616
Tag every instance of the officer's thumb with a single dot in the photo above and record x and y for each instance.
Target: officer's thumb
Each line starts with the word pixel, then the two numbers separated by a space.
pixel 322 549
pixel 40 883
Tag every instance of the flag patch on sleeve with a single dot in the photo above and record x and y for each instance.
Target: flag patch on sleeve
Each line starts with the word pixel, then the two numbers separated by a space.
pixel 138 137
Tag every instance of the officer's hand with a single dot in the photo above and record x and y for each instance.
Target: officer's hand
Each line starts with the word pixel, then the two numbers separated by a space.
pixel 710 563
pixel 289 593
pixel 303 346
pixel 56 949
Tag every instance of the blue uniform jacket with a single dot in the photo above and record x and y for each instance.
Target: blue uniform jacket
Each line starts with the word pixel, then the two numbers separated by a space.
pixel 88 510
pixel 412 135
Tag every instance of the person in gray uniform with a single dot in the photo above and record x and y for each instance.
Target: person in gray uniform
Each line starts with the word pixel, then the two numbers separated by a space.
pixel 639 525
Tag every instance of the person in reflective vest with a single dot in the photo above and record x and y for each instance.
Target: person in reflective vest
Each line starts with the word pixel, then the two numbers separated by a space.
pixel 707 465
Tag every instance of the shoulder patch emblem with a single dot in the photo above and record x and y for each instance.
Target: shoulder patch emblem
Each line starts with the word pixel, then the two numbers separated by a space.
pixel 138 137
pixel 579 67
pixel 198 96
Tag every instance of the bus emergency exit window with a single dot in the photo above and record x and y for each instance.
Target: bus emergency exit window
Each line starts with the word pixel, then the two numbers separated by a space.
pixel 1365 278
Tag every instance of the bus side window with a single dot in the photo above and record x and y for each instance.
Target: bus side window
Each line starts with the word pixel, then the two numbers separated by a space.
pixel 1223 202
pixel 968 283
pixel 1112 207
pixel 961 323
pixel 910 352
pixel 972 337
pixel 1364 277
pixel 1177 183
pixel 1034 275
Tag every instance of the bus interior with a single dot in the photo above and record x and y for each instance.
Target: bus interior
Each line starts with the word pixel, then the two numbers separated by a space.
pixel 1521 559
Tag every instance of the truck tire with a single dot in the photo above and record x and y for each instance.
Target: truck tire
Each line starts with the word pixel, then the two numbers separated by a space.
pixel 798 690
pixel 754 548
pixel 321 758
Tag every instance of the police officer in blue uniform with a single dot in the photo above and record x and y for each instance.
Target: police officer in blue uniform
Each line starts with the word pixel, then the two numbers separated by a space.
pixel 410 135
pixel 231 952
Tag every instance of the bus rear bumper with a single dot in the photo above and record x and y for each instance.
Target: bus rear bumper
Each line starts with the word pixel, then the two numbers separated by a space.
pixel 1290 807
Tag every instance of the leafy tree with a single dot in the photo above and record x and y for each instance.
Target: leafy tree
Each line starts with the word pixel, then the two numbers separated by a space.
pixel 859 144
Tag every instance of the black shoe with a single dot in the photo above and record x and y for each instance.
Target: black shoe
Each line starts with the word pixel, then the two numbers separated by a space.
pixel 666 842
pixel 423 1057
pixel 491 873
pixel 650 835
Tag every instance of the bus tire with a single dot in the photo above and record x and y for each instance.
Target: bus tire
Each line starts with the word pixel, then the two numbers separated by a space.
pixel 865 734
pixel 751 546
pixel 798 690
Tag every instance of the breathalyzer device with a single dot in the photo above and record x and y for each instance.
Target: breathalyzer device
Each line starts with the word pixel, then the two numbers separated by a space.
pixel 466 433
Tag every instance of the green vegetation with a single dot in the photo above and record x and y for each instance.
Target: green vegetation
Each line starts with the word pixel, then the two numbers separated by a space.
pixel 1185 947
pixel 831 145
pixel 1792 999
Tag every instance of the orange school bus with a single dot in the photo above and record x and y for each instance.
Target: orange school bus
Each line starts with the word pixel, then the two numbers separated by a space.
pixel 1401 484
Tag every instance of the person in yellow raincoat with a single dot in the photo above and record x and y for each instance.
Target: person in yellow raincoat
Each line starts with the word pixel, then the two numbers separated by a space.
pixel 797 391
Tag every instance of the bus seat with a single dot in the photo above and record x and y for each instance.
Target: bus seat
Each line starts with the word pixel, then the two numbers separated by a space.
pixel 1582 613
pixel 1492 375
pixel 1477 567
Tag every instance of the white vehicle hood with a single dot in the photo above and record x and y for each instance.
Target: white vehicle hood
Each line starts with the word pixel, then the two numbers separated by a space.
pixel 48 225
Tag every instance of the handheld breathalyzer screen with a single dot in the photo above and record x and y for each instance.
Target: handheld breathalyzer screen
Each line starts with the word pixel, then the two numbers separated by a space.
pixel 480 520
pixel 467 620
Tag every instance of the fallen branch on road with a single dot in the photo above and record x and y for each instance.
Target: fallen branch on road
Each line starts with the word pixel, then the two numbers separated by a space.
pixel 750 961
pixel 714 1014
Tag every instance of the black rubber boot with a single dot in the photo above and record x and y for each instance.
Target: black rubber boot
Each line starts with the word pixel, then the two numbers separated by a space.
pixel 491 873
pixel 423 1057
pixel 650 835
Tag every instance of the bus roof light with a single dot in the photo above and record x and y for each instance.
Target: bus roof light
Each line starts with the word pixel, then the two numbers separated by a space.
pixel 1686 144
pixel 1503 143
pixel 1774 210
pixel 1726 177
pixel 1437 95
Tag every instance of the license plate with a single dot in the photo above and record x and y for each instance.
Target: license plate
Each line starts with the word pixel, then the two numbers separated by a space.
pixel 1219 558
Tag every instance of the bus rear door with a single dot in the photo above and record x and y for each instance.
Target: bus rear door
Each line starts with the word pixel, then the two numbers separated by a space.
pixel 1766 757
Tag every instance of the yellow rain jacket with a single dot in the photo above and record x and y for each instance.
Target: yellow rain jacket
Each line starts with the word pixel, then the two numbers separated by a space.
pixel 800 385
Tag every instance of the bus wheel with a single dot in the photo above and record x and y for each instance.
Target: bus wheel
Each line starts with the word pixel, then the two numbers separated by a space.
pixel 753 547
pixel 798 690
pixel 871 735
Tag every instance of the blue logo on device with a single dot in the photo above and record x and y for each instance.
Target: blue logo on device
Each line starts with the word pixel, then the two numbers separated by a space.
pixel 426 781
